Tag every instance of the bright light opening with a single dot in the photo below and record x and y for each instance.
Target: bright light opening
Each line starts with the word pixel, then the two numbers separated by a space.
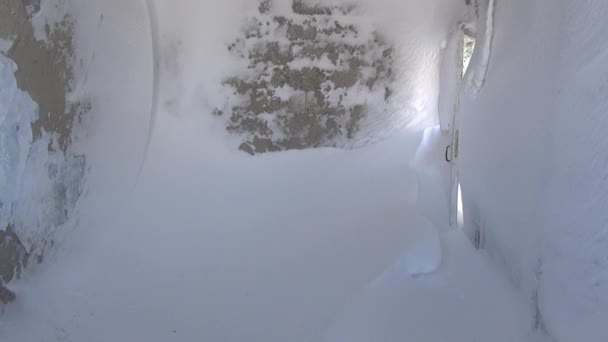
pixel 460 212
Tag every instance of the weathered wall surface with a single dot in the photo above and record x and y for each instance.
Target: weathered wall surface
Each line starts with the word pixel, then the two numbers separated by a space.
pixel 311 78
pixel 534 161
pixel 41 178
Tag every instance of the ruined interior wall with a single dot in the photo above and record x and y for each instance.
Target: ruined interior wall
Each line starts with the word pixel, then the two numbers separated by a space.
pixel 41 177
pixel 312 77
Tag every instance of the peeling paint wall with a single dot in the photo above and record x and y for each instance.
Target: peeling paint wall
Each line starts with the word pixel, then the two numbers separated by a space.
pixel 41 179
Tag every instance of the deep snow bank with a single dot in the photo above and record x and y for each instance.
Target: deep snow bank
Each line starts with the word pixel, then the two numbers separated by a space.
pixel 534 161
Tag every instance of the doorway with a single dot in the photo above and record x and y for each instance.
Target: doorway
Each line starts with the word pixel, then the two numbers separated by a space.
pixel 457 56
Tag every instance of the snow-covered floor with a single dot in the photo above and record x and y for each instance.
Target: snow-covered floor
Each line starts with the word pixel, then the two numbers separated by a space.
pixel 218 246
pixel 467 299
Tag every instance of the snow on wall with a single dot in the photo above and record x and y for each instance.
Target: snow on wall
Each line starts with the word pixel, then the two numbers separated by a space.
pixel 114 73
pixel 534 168
pixel 308 80
pixel 450 77
pixel 40 184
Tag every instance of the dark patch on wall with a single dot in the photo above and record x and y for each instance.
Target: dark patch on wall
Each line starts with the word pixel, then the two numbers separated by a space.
pixel 302 75
pixel 13 256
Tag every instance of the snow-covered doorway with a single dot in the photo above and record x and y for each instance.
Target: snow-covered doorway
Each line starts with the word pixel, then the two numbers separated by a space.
pixel 452 70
